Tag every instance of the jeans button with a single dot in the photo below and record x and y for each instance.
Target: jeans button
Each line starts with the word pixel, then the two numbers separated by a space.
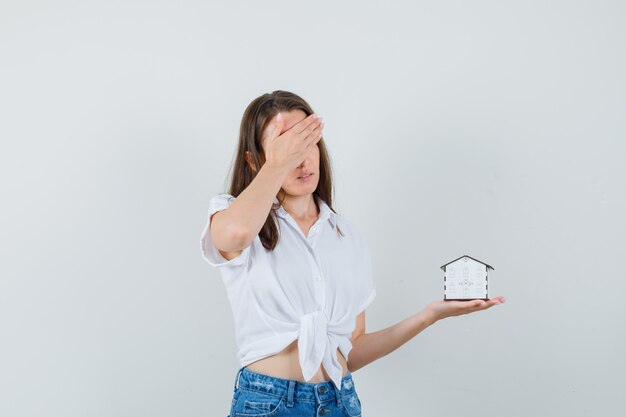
pixel 323 390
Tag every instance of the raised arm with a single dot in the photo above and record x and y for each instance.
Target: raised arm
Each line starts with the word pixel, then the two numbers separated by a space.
pixel 235 227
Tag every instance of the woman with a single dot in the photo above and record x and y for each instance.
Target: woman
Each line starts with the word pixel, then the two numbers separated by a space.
pixel 298 275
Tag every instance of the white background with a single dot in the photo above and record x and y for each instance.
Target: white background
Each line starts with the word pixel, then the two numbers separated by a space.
pixel 489 128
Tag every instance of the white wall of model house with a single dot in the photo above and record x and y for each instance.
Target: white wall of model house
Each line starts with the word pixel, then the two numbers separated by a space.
pixel 466 279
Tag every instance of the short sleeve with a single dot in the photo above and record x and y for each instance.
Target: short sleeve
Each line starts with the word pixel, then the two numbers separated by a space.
pixel 367 289
pixel 209 252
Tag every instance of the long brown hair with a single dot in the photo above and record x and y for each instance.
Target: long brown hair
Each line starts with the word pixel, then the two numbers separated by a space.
pixel 255 119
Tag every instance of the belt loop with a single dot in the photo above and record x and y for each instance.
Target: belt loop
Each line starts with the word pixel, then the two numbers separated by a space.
pixel 237 378
pixel 292 385
pixel 338 393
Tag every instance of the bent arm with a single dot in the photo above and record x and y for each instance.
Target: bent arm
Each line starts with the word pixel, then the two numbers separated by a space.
pixel 235 227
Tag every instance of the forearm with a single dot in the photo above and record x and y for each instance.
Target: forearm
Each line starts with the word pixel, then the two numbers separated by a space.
pixel 369 347
pixel 249 211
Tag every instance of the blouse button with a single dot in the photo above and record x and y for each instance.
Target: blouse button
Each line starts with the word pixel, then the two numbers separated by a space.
pixel 313 229
pixel 319 277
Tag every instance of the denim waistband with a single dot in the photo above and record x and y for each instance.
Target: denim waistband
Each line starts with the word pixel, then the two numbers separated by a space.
pixel 292 389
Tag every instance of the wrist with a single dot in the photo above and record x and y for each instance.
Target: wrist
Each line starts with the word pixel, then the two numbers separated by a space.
pixel 430 317
pixel 275 169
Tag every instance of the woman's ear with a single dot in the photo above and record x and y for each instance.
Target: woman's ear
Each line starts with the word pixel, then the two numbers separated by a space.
pixel 248 156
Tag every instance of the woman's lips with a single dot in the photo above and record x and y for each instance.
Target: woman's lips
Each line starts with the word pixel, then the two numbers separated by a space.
pixel 305 178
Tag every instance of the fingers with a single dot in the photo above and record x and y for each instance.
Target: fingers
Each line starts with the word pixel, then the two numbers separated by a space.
pixel 315 135
pixel 312 131
pixel 278 125
pixel 478 305
pixel 490 303
pixel 305 123
pixel 495 301
pixel 308 129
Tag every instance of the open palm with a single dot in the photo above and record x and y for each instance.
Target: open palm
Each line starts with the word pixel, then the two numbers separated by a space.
pixel 442 309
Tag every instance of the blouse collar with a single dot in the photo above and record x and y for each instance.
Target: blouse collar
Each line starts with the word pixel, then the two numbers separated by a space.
pixel 325 211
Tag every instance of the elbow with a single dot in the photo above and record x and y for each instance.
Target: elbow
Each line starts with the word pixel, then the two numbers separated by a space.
pixel 238 238
pixel 242 238
pixel 230 237
pixel 352 367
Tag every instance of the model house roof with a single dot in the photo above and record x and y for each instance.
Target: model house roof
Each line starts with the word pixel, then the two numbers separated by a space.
pixel 465 256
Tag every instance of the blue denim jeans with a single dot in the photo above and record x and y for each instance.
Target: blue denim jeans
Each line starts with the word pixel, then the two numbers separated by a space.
pixel 260 395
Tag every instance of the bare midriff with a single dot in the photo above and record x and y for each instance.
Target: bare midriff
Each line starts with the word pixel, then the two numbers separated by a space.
pixel 286 364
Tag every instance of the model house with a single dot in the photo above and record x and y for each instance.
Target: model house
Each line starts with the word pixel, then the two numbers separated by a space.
pixel 465 278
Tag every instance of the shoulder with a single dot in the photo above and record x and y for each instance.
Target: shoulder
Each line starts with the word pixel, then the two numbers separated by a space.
pixel 220 202
pixel 223 197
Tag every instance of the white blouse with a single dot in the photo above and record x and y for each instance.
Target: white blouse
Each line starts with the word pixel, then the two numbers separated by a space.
pixel 309 288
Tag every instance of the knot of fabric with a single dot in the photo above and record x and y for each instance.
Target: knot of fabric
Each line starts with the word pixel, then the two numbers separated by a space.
pixel 317 344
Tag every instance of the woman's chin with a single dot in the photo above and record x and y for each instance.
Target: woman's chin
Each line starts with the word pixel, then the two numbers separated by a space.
pixel 299 189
